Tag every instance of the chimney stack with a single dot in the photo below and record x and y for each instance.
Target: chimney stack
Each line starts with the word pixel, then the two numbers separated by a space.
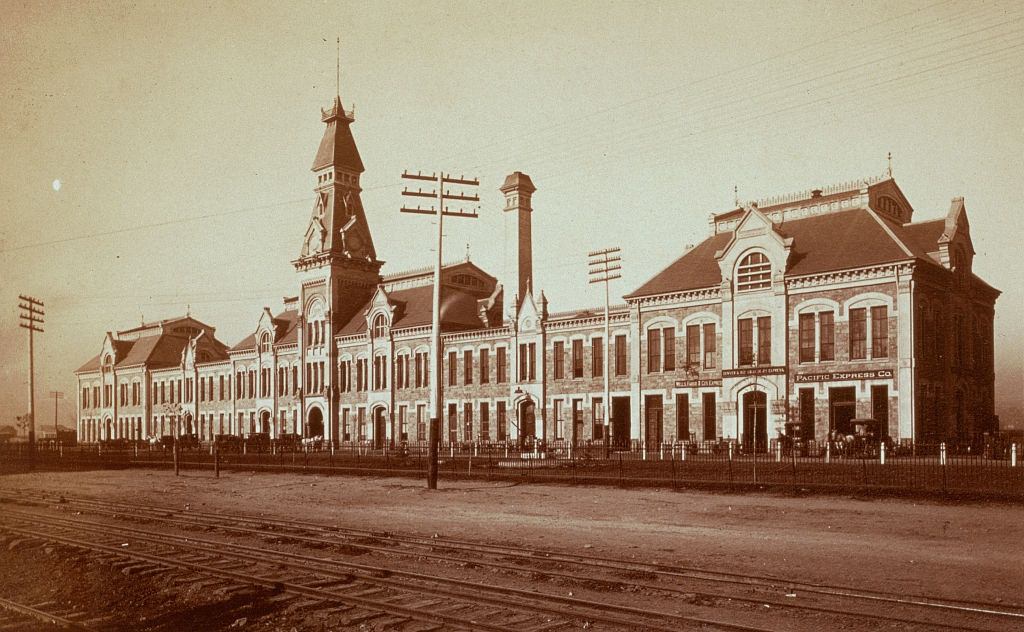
pixel 518 190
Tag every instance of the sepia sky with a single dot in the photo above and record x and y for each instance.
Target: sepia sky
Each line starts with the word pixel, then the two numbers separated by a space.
pixel 181 134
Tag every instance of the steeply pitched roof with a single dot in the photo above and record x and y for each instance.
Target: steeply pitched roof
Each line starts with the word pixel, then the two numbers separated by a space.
pixel 91 365
pixel 414 308
pixel 821 243
pixel 285 331
pixel 337 147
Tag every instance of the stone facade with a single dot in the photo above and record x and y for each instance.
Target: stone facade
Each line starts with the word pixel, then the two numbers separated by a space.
pixel 795 316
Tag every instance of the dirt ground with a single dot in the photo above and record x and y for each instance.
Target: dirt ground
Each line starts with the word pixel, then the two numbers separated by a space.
pixel 959 551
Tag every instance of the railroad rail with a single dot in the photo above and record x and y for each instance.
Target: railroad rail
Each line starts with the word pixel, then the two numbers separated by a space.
pixel 690 583
pixel 389 592
pixel 31 618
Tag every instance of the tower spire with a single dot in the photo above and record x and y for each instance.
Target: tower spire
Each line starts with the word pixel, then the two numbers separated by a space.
pixel 337 84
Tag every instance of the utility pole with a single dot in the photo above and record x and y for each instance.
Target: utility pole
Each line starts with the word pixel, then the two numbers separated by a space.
pixel 440 196
pixel 31 316
pixel 55 395
pixel 606 265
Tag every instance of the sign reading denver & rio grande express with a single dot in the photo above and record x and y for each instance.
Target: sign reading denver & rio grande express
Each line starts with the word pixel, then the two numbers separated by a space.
pixel 754 370
pixel 883 374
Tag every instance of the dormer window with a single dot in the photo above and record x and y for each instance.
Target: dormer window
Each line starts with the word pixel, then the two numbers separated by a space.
pixel 380 326
pixel 265 343
pixel 754 273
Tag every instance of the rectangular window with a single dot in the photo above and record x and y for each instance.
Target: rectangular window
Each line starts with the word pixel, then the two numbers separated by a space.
pixel 668 339
pixel 485 421
pixel 826 337
pixel 502 421
pixel 485 366
pixel 502 368
pixel 419 370
pixel 558 359
pixel 467 422
pixel 346 432
pixel 467 366
pixel 295 378
pixel 403 432
pixel 556 412
pixel 764 340
pixel 710 348
pixel 879 332
pixel 598 419
pixel 683 417
pixel 597 357
pixel 533 360
pixel 710 411
pixel 620 355
pixel 577 358
pixel 85 398
pixel 577 421
pixel 361 419
pixel 453 368
pixel 858 334
pixel 806 396
pixel 880 408
pixel 693 346
pixel 421 422
pixel 806 333
pixel 746 340
pixel 453 423
pixel 653 350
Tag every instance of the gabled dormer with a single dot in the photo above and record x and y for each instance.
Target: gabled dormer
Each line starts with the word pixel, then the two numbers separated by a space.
pixel 529 317
pixel 380 315
pixel 266 333
pixel 956 250
pixel 755 257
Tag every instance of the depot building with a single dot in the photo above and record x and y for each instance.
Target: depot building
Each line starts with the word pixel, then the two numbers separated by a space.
pixel 795 315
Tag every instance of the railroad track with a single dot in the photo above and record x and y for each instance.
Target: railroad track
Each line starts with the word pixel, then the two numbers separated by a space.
pixel 758 591
pixel 19 617
pixel 385 596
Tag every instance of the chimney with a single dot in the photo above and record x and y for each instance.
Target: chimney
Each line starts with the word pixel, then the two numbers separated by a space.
pixel 815 193
pixel 518 190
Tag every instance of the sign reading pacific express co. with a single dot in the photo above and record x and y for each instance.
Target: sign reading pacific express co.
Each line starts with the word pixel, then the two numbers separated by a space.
pixel 754 370
pixel 883 374
pixel 697 383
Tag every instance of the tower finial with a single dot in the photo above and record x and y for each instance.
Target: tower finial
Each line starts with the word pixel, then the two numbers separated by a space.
pixel 736 195
pixel 467 251
pixel 188 310
pixel 889 157
pixel 337 78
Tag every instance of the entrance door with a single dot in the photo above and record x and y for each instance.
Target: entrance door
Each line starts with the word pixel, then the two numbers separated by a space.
pixel 652 420
pixel 880 408
pixel 265 422
pixel 380 425
pixel 842 405
pixel 755 421
pixel 620 422
pixel 577 421
pixel 527 422
pixel 315 427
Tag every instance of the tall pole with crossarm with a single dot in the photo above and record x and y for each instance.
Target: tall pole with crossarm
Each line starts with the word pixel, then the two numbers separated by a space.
pixel 606 265
pixel 440 196
pixel 31 317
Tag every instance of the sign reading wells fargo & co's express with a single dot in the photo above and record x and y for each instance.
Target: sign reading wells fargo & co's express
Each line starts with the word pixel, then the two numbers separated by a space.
pixel 754 370
pixel 698 383
pixel 882 374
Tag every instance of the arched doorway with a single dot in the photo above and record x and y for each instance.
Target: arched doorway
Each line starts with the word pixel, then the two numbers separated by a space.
pixel 315 427
pixel 265 422
pixel 380 424
pixel 107 429
pixel 755 421
pixel 187 426
pixel 527 421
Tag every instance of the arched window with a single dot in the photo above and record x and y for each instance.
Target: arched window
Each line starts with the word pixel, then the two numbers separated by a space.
pixel 265 343
pixel 379 326
pixel 754 273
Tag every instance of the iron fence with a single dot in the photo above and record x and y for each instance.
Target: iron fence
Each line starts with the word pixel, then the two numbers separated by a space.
pixel 908 468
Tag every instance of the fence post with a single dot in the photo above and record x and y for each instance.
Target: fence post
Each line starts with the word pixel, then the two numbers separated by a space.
pixel 828 451
pixel 620 469
pixel 730 462
pixel 1013 454
pixel 682 451
pixel 778 452
pixel 942 462
pixel 881 453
